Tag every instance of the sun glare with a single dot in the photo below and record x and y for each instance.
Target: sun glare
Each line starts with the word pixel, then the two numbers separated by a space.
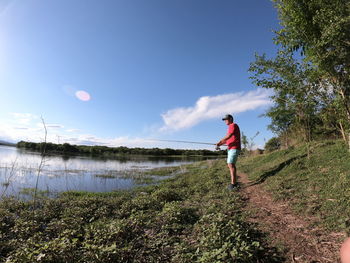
pixel 82 95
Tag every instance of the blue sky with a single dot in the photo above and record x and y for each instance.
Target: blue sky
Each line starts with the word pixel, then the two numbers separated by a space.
pixel 166 69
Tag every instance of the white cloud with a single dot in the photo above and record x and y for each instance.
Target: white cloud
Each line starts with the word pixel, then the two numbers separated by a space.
pixel 72 130
pixel 23 118
pixel 48 126
pixel 25 126
pixel 28 127
pixel 54 126
pixel 14 134
pixel 112 142
pixel 214 107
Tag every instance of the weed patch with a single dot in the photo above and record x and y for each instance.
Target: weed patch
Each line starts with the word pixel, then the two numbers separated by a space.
pixel 190 217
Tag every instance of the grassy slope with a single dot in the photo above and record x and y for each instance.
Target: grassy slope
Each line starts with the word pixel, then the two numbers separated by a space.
pixel 317 186
pixel 189 218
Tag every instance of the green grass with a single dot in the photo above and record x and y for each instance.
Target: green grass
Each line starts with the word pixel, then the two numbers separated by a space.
pixel 141 177
pixel 106 176
pixel 317 186
pixel 190 217
pixel 30 192
pixel 164 171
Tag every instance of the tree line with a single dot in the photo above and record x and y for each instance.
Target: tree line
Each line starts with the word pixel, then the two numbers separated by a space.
pixel 105 151
pixel 309 75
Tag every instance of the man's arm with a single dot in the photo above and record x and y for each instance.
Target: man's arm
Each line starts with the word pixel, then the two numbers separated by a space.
pixel 223 140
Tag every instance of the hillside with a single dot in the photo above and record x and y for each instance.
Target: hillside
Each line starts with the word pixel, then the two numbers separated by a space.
pixel 316 186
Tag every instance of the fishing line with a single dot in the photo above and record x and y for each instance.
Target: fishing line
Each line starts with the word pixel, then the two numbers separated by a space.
pixel 207 143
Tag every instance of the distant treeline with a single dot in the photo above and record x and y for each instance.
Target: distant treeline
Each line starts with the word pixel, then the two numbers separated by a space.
pixel 67 148
pixel 7 143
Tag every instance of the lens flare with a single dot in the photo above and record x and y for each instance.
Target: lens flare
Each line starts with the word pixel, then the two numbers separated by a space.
pixel 82 95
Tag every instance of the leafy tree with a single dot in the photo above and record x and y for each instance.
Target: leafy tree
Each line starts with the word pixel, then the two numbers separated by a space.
pixel 333 117
pixel 295 94
pixel 320 29
pixel 244 141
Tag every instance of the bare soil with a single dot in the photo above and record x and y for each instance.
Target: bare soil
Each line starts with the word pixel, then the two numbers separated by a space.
pixel 297 235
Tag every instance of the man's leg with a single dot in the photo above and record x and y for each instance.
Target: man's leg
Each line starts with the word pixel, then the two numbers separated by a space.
pixel 232 156
pixel 233 172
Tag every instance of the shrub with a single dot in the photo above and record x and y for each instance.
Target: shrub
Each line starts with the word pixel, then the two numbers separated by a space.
pixel 165 195
pixel 273 144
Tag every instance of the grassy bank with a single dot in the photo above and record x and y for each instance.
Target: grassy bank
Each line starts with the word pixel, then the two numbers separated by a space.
pixel 317 186
pixel 188 218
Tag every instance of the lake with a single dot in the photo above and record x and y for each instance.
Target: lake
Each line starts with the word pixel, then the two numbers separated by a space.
pixel 19 172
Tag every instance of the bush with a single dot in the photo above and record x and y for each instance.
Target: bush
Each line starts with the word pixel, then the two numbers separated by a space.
pixel 273 144
pixel 165 195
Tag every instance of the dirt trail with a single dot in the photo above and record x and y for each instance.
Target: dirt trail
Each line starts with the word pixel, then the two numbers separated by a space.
pixel 304 242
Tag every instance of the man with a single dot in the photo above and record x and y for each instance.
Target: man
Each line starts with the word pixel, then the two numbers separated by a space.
pixel 233 142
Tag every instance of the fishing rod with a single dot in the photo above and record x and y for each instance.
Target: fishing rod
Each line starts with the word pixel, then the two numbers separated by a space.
pixel 207 143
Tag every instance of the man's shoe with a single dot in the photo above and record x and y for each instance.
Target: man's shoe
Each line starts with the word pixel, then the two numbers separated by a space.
pixel 232 186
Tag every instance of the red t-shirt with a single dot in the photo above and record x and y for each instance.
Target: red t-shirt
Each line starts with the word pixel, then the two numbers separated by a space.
pixel 234 142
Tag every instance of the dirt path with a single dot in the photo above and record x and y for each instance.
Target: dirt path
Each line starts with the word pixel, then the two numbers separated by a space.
pixel 303 242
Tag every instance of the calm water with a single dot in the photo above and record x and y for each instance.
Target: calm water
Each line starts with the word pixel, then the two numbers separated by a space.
pixel 19 169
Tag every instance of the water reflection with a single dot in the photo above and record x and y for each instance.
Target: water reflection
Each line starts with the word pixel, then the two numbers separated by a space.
pixel 19 170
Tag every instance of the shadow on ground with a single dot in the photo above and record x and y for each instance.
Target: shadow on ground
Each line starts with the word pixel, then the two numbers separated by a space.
pixel 275 170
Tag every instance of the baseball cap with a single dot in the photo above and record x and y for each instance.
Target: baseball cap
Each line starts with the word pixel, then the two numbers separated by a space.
pixel 227 117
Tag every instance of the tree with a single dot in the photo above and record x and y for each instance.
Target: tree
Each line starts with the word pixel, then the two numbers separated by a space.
pixel 244 141
pixel 320 29
pixel 295 94
pixel 251 142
